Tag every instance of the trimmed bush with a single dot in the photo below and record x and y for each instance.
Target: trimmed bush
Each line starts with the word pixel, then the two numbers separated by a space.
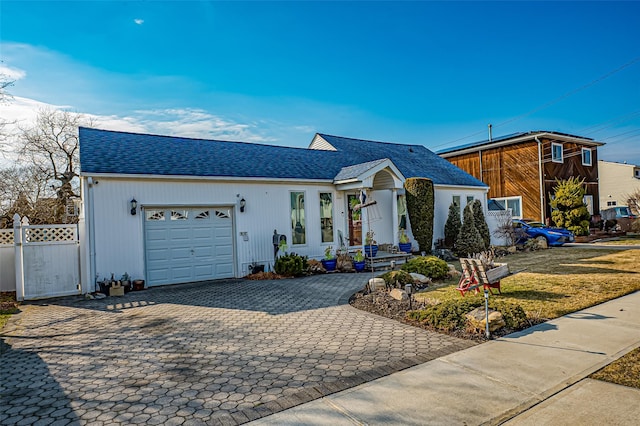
pixel 419 195
pixel 290 265
pixel 397 278
pixel 481 223
pixel 429 266
pixel 446 316
pixel 570 210
pixel 452 226
pixel 450 315
pixel 469 240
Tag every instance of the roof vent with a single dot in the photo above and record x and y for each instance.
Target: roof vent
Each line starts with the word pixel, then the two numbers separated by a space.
pixel 410 149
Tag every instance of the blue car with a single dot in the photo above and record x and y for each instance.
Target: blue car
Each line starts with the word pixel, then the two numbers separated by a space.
pixel 554 237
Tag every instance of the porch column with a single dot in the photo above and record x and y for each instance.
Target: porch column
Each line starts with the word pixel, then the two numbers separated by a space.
pixel 394 215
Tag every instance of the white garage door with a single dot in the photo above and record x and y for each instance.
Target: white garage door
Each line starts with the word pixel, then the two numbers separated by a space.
pixel 188 244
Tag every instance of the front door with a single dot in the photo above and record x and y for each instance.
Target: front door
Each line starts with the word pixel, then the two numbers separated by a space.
pixel 355 221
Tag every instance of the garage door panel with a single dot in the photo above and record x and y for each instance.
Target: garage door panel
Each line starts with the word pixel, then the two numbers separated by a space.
pixel 225 269
pixel 198 246
pixel 181 273
pixel 203 272
pixel 158 275
pixel 158 255
pixel 180 234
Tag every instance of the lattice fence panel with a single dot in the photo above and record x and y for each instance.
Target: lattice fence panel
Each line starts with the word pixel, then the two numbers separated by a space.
pixel 50 234
pixel 6 236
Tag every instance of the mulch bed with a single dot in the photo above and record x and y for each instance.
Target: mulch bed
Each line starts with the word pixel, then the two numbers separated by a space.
pixel 381 303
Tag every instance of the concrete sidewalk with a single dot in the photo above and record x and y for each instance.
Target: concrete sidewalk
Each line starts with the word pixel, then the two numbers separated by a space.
pixel 526 377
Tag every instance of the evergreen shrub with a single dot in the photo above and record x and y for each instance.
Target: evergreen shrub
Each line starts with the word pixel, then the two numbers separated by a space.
pixel 419 195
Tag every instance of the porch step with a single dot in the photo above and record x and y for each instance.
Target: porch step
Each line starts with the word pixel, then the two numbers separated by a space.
pixel 383 260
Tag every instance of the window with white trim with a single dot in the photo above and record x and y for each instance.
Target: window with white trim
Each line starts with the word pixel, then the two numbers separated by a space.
pixel 556 153
pixel 612 203
pixel 586 157
pixel 513 203
pixel 326 217
pixel 298 226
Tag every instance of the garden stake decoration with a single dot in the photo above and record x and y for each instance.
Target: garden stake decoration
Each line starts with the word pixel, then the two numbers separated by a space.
pixel 364 204
pixel 486 312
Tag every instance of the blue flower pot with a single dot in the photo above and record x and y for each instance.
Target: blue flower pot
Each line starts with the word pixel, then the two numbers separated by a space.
pixel 405 247
pixel 371 251
pixel 358 266
pixel 329 264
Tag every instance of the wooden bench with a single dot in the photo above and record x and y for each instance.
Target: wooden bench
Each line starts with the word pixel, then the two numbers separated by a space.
pixel 475 275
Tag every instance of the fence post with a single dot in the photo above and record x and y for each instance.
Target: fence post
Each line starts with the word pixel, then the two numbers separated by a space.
pixel 17 242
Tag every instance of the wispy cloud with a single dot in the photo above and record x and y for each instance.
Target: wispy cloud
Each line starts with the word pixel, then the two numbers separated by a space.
pixel 187 122
pixel 139 21
pixel 12 73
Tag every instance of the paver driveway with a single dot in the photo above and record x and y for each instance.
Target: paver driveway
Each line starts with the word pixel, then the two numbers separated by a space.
pixel 207 353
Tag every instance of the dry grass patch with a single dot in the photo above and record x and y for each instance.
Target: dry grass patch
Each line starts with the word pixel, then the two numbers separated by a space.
pixel 624 371
pixel 559 281
pixel 8 307
pixel 622 241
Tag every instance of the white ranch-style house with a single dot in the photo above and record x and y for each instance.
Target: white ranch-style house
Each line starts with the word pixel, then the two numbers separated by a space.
pixel 173 210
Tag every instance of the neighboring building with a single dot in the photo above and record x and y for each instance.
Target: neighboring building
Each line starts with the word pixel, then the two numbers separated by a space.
pixel 617 182
pixel 521 169
pixel 208 209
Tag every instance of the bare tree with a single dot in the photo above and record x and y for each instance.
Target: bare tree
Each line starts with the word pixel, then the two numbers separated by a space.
pixel 25 190
pixel 52 146
pixel 5 96
pixel 633 201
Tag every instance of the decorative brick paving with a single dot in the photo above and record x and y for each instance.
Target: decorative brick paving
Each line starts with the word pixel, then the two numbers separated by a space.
pixel 206 353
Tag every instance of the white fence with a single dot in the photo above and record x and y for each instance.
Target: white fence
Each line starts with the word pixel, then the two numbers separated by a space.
pixel 7 261
pixel 40 261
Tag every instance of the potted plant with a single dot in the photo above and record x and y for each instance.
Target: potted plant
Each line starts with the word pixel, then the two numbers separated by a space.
pixel 329 262
pixel 404 242
pixel 138 285
pixel 370 245
pixel 126 282
pixel 358 261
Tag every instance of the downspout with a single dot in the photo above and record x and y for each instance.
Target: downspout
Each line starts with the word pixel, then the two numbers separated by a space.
pixel 542 206
pixel 92 232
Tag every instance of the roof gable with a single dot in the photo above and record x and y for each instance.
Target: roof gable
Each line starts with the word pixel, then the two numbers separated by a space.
pixel 411 160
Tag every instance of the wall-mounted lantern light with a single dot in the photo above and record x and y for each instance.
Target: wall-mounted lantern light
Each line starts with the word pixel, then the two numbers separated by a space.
pixel 134 206
pixel 242 204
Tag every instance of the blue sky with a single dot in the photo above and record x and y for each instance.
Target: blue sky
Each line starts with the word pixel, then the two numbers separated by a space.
pixel 434 73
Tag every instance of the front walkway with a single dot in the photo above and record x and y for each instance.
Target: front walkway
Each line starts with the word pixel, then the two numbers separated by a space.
pixel 206 353
pixel 533 377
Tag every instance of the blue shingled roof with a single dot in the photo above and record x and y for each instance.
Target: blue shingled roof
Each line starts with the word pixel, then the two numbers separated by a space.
pixel 110 152
pixel 411 160
pixel 103 151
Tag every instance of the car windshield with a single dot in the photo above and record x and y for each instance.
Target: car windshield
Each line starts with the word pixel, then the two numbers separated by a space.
pixel 536 224
pixel 623 211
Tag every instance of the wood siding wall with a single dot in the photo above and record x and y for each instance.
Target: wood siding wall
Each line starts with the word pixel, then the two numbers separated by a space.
pixel 570 167
pixel 514 170
pixel 510 171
